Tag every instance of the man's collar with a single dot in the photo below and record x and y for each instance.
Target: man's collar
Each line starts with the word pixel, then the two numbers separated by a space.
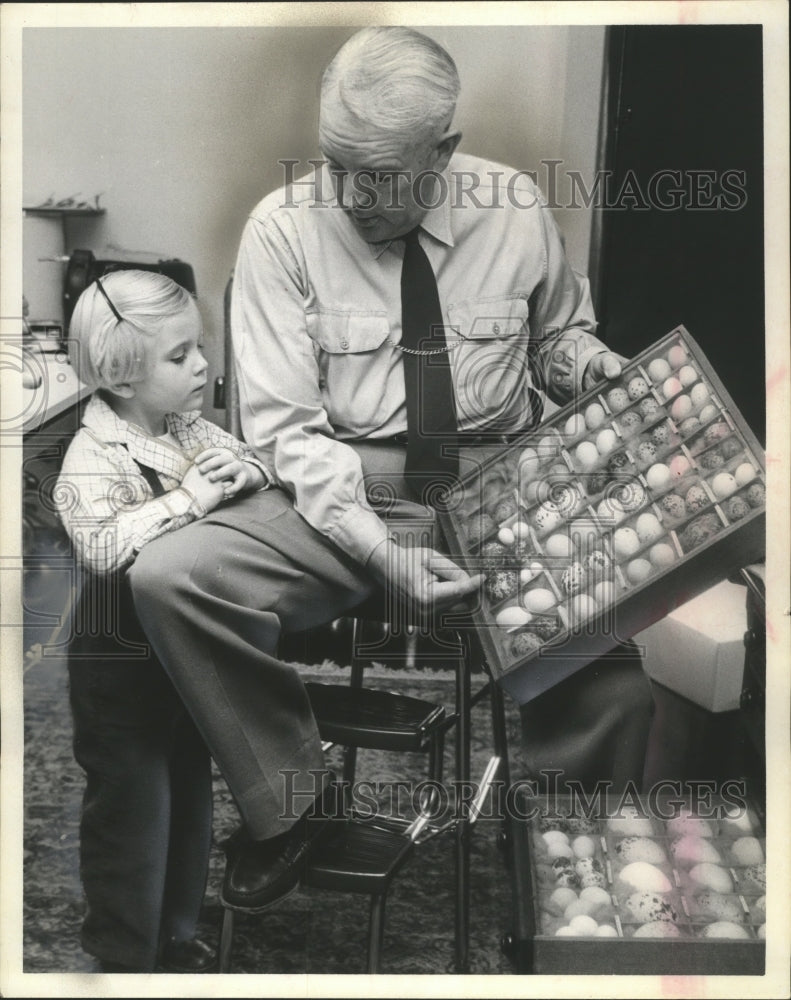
pixel 436 222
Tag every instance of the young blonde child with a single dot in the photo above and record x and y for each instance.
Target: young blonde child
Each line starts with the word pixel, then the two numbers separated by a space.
pixel 143 463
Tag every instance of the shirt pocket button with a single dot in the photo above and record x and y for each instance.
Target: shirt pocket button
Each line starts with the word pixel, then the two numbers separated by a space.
pixel 344 345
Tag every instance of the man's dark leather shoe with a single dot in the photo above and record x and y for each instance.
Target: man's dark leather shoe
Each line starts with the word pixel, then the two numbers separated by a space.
pixel 192 956
pixel 258 875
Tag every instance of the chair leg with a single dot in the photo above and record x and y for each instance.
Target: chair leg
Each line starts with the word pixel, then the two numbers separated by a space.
pixel 462 839
pixel 376 930
pixel 436 756
pixel 226 941
pixel 500 738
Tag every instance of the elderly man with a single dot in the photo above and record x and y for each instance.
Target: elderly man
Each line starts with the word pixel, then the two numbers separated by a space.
pixel 395 315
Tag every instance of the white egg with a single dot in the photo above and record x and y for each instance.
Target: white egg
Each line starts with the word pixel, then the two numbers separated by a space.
pixel 648 527
pixel 528 573
pixel 606 930
pixel 596 895
pixel 662 555
pixel 687 375
pixel 745 473
pixel 606 441
pixel 677 355
pixel 610 511
pixel 556 836
pixel 575 425
pixel 681 408
pixel 561 897
pixel 559 546
pixel 583 925
pixel 557 849
pixel 585 847
pixel 538 601
pixel 644 876
pixel 521 531
pixel 671 387
pixel 528 463
pixel 699 394
pixel 581 607
pixel 639 570
pixel 594 416
pixel 658 476
pixel 659 370
pixel 708 412
pixel 512 617
pixel 506 536
pixel 586 454
pixel 579 907
pixel 604 592
pixel 723 484
pixel 679 466
pixel 625 542
pixel 564 931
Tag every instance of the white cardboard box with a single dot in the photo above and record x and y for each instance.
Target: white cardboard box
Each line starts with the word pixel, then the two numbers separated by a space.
pixel 698 649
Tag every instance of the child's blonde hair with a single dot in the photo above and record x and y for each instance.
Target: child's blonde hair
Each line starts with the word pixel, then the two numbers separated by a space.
pixel 107 351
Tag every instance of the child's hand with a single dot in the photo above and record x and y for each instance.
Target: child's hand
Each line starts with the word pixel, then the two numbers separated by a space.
pixel 219 465
pixel 209 494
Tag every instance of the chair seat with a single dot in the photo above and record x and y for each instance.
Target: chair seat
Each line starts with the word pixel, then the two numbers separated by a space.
pixel 357 856
pixel 376 720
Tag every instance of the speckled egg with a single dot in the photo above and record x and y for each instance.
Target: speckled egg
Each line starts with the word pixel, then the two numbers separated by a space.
pixel 505 508
pixel 700 530
pixel 594 416
pixel 674 506
pixel 546 627
pixel 640 849
pixel 646 452
pixel 524 644
pixel 625 542
pixel 648 407
pixel 568 878
pixel 637 387
pixel 736 508
pixel 573 578
pixel 723 484
pixel 658 476
pixel 713 904
pixel 493 555
pixel 661 435
pixel 756 495
pixel 753 878
pixel 662 555
pixel 630 495
pixel 730 448
pixel 648 527
pixel 597 564
pixel 712 459
pixel 479 527
pixel 716 432
pixel 646 907
pixel 593 879
pixel 619 462
pixel 630 423
pixel 638 570
pixel 501 584
pixel 547 517
pixel 659 370
pixel 629 822
pixel 617 399
pixel 687 823
pixel 696 498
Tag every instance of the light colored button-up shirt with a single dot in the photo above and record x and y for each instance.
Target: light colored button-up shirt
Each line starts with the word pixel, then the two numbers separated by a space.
pixel 316 323
pixel 105 502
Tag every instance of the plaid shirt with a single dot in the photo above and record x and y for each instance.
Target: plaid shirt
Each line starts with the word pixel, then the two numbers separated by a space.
pixel 105 503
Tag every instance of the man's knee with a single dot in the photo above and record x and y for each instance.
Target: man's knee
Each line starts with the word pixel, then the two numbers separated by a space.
pixel 160 570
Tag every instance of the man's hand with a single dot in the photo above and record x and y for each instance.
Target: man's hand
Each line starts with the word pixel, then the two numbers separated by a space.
pixel 423 578
pixel 605 366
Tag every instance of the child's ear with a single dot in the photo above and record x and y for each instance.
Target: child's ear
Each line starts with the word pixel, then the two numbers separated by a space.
pixel 124 389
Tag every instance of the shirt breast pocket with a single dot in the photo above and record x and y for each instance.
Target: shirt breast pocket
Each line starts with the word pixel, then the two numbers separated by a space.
pixel 491 371
pixel 353 369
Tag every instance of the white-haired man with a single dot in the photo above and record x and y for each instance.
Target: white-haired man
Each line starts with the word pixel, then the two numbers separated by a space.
pixel 331 273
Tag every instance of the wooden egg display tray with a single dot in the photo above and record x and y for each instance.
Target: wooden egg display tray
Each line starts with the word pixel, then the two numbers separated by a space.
pixel 631 891
pixel 626 503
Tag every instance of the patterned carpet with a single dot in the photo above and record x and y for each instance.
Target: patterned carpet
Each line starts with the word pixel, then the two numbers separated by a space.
pixel 313 931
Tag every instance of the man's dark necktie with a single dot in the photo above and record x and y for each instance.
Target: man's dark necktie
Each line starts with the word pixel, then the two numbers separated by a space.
pixel 430 404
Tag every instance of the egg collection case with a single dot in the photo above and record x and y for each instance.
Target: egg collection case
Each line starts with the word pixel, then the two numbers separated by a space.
pixel 642 889
pixel 629 501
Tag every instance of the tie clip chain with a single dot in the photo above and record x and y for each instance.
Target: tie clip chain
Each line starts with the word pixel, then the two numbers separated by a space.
pixel 436 350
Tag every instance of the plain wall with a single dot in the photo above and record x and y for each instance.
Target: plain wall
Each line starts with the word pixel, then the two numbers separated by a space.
pixel 180 130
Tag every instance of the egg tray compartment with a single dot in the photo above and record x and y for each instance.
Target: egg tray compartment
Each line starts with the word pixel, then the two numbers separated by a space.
pixel 691 953
pixel 706 551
